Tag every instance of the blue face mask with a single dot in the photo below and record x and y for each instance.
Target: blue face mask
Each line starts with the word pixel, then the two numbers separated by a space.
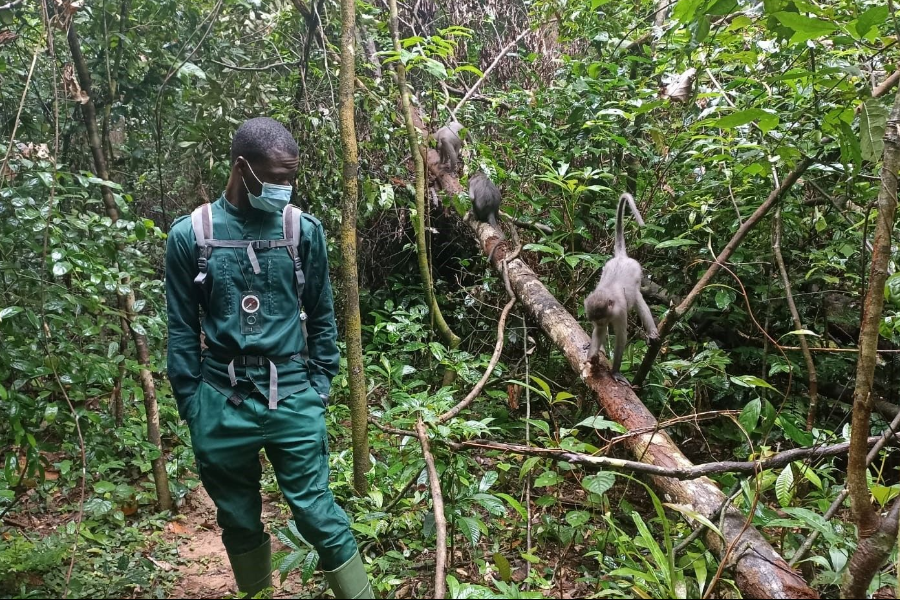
pixel 272 198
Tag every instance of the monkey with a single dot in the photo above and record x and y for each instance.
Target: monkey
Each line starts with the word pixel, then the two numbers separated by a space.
pixel 449 144
pixel 485 199
pixel 618 291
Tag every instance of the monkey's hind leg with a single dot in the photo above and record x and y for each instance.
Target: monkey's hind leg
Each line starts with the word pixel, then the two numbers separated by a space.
pixel 647 318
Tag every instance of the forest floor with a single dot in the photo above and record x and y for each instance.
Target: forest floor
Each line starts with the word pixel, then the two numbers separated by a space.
pixel 204 569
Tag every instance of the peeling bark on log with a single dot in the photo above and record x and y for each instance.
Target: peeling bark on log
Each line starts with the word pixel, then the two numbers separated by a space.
pixel 759 571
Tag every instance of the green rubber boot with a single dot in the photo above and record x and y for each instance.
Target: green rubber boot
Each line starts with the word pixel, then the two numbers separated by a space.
pixel 350 579
pixel 253 570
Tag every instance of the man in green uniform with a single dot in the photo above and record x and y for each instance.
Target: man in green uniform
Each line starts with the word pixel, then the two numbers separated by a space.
pixel 258 269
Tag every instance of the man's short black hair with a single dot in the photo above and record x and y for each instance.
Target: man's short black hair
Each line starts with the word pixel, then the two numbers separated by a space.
pixel 260 138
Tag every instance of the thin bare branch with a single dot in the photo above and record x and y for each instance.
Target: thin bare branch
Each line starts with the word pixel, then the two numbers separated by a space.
pixel 440 522
pixel 487 71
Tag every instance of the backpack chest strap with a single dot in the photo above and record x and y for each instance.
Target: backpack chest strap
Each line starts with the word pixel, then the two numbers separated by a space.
pixel 251 246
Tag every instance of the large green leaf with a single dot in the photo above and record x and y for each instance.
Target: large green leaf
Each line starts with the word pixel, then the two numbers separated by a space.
pixel 750 415
pixel 804 28
pixel 872 123
pixel 685 10
pixel 741 117
pixel 871 18
pixel 599 483
pixel 784 486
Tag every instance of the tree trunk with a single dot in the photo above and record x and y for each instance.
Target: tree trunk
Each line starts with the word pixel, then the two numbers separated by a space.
pixel 450 338
pixel 127 300
pixel 352 319
pixel 871 553
pixel 864 514
pixel 759 571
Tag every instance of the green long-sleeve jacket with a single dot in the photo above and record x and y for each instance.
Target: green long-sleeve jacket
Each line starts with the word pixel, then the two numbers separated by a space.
pixel 229 276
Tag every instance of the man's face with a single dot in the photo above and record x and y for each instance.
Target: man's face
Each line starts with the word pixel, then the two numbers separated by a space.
pixel 280 169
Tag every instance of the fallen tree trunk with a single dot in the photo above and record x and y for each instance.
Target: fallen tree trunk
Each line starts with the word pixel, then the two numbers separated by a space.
pixel 760 572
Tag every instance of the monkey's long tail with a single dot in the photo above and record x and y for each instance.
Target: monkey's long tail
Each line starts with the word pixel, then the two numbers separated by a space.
pixel 620 226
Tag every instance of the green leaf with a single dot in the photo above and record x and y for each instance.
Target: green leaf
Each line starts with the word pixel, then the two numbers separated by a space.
pixel 871 18
pixel 10 311
pixel 468 526
pixel 490 503
pixel 750 415
pixel 530 558
pixel 702 31
pixel 809 473
pixel 601 423
pixel 872 123
pixel 542 425
pixel 811 519
pixel 50 412
pixel 503 567
pixel 784 486
pixel 599 483
pixel 851 150
pixel 675 243
pixel 685 10
pixel 805 28
pixel 289 563
pixel 793 432
pixel 61 268
pixel 104 487
pixel 190 69
pixel 891 290
pixel 528 465
pixel 751 381
pixel 692 514
pixel 724 298
pixel 659 557
pixel 577 518
pixel 515 504
pixel 722 7
pixel 489 479
pixel 546 479
pixel 435 68
pixel 884 494
pixel 741 117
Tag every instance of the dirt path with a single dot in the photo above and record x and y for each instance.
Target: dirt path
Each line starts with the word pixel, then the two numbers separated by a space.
pixel 205 572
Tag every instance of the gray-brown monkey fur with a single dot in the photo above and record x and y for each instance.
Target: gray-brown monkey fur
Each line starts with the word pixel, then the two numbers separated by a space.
pixel 618 291
pixel 485 199
pixel 449 144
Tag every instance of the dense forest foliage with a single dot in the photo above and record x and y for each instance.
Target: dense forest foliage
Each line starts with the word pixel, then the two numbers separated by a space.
pixel 761 141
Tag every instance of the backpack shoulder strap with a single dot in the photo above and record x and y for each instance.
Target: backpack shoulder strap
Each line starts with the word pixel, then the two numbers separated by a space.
pixel 201 221
pixel 292 233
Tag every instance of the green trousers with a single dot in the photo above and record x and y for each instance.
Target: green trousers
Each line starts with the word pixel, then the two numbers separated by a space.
pixel 227 440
